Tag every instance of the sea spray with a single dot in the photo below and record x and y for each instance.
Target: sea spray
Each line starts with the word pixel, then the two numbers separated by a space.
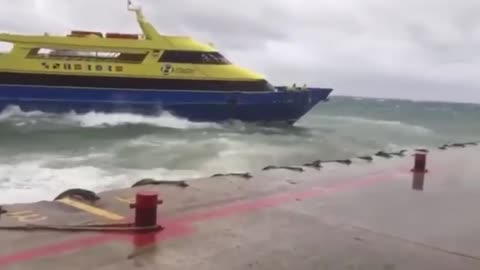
pixel 43 154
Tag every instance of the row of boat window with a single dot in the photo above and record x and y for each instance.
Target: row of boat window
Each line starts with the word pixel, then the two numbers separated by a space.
pixel 193 57
pixel 86 55
pixel 190 57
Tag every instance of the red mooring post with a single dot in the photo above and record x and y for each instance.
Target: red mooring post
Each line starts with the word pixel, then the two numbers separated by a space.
pixel 420 165
pixel 146 209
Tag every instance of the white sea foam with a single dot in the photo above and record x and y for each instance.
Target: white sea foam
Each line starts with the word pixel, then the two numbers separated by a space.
pixel 15 111
pixel 384 123
pixel 95 119
pixel 33 177
pixel 33 180
pixel 84 161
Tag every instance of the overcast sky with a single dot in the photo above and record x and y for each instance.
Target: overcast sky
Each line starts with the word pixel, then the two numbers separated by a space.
pixel 383 48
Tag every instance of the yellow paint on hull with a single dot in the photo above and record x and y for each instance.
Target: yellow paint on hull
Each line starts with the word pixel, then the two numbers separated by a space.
pixel 154 44
pixel 146 70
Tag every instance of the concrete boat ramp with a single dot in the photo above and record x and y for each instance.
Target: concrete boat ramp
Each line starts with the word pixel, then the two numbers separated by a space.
pixel 369 213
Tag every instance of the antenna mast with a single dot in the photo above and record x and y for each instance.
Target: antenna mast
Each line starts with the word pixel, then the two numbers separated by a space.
pixel 147 28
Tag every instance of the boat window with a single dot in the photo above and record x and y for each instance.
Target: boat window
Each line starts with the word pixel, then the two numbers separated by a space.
pixel 87 55
pixel 6 47
pixel 85 33
pixel 122 82
pixel 194 57
pixel 270 87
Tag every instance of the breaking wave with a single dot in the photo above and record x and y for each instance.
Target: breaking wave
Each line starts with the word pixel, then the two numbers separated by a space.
pixel 374 122
pixel 18 117
pixel 43 154
pixel 93 119
pixel 38 178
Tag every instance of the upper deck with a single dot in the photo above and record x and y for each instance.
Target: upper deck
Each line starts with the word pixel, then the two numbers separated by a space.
pixel 108 43
pixel 149 40
pixel 147 55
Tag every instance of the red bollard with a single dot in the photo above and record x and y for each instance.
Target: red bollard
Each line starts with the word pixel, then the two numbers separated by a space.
pixel 420 163
pixel 146 209
pixel 418 181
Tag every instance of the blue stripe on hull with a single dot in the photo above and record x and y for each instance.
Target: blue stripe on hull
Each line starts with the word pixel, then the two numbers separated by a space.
pixel 197 106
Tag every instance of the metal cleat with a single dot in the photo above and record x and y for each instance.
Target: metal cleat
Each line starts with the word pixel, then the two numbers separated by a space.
pixel 317 164
pixel 271 167
pixel 366 158
pixel 244 175
pixel 79 194
pixel 383 154
pixel 148 181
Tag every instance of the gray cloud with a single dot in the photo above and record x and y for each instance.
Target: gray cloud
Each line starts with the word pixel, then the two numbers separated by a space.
pixel 408 49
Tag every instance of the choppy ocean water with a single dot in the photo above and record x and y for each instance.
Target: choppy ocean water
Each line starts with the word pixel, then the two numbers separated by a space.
pixel 42 154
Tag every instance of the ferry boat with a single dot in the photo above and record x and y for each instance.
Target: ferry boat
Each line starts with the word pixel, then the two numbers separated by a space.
pixel 145 73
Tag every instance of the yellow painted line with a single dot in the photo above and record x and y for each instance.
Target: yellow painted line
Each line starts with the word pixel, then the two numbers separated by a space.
pixel 91 209
pixel 128 200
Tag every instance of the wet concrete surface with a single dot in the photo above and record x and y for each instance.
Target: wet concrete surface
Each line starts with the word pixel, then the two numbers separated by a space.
pixel 365 215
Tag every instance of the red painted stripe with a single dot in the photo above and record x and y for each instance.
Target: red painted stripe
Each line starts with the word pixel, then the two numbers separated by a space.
pixel 180 226
pixel 139 240
pixel 172 231
pixel 276 200
pixel 55 249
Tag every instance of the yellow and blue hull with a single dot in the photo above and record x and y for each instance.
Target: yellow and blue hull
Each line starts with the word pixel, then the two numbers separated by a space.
pixel 195 105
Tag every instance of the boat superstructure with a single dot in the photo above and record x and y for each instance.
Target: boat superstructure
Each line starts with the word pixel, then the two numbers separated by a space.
pixel 147 73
